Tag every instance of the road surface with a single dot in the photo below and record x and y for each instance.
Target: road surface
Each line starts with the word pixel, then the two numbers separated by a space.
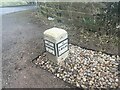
pixel 22 41
pixel 7 10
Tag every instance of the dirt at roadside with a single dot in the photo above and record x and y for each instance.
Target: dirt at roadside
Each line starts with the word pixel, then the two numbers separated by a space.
pixel 78 36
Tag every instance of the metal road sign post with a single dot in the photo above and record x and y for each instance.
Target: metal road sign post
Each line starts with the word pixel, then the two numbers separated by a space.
pixel 56 44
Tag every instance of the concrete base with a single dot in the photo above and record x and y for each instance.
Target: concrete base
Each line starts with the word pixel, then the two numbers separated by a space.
pixel 56 59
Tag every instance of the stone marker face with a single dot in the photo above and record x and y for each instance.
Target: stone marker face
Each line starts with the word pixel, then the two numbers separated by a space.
pixel 50 47
pixel 62 47
pixel 56 44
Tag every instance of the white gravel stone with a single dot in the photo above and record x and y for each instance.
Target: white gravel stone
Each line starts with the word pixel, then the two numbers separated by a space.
pixel 58 75
pixel 117 80
pixel 77 84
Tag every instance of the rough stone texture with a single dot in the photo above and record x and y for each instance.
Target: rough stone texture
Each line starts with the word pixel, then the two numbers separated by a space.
pixel 84 68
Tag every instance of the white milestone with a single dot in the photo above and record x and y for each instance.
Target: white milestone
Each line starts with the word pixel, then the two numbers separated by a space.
pixel 56 44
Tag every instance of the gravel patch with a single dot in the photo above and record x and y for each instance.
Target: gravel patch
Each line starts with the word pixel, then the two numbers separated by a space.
pixel 84 68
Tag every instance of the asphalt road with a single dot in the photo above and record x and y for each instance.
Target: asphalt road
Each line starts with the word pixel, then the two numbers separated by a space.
pixel 22 41
pixel 7 10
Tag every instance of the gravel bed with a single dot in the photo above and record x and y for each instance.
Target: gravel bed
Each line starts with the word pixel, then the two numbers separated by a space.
pixel 84 68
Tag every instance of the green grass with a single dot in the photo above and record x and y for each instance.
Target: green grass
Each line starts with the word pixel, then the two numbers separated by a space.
pixel 5 3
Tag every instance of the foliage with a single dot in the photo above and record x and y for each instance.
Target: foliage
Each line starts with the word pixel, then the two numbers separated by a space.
pixel 12 3
pixel 98 20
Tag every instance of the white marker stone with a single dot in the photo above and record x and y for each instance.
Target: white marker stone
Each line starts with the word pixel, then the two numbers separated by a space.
pixel 56 44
